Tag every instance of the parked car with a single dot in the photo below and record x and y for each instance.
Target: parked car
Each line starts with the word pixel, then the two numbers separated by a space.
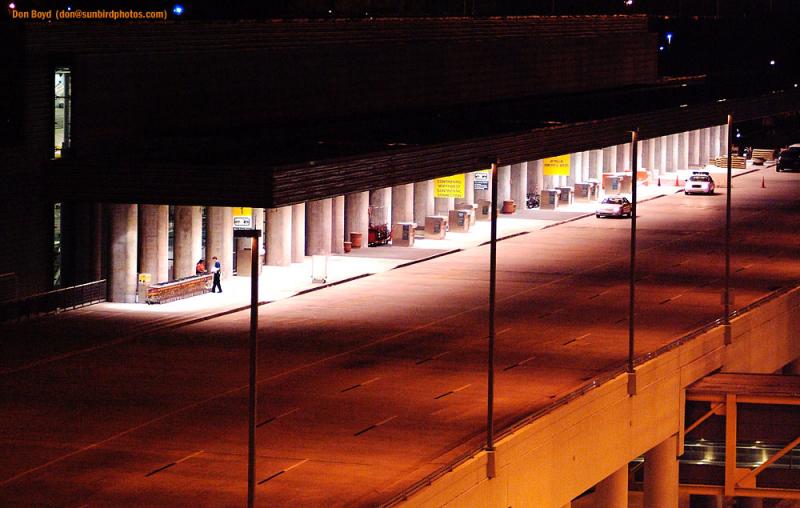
pixel 789 160
pixel 614 206
pixel 699 183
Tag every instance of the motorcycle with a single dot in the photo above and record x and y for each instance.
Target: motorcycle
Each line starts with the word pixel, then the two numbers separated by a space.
pixel 533 201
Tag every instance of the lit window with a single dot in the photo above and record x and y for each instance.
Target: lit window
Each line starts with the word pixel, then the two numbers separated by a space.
pixel 62 111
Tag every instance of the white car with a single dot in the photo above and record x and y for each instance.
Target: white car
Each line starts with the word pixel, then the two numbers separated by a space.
pixel 699 183
pixel 614 206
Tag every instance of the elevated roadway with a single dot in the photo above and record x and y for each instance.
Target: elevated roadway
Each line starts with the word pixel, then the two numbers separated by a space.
pixel 367 388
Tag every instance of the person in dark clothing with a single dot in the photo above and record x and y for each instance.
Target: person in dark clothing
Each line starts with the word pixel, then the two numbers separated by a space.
pixel 216 269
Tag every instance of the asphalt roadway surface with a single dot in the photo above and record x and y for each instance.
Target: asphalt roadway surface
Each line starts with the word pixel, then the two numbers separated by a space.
pixel 367 387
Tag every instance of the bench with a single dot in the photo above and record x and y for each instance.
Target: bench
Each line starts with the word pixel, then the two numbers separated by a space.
pixel 186 287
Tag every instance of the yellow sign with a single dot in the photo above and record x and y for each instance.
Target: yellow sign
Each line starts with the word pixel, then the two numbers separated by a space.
pixel 449 187
pixel 240 211
pixel 144 278
pixel 556 165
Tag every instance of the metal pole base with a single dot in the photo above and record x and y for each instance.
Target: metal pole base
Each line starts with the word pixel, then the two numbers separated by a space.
pixel 631 383
pixel 491 470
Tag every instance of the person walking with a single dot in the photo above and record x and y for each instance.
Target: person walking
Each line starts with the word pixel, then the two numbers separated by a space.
pixel 216 269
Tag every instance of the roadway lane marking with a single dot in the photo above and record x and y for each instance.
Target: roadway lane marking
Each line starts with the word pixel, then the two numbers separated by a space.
pixel 274 475
pixel 360 384
pixel 519 364
pixel 162 468
pixel 451 392
pixel 671 299
pixel 745 267
pixel 576 339
pixel 618 321
pixel 601 293
pixel 375 425
pixel 431 358
pixel 274 418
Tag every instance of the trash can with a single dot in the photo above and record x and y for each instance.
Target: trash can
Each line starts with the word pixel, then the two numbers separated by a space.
pixel 509 206
pixel 458 221
pixel 549 199
pixel 435 227
pixel 484 210
pixel 472 208
pixel 356 239
pixel 403 234
pixel 582 191
pixel 567 195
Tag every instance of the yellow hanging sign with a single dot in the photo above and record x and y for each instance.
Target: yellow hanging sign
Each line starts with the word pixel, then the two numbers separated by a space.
pixel 449 187
pixel 554 166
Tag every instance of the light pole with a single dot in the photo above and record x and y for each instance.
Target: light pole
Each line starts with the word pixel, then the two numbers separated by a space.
pixel 632 271
pixel 727 296
pixel 254 235
pixel 490 466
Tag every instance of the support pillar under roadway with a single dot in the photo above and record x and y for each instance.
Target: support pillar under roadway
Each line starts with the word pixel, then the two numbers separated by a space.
pixel 154 241
pixel 298 232
pixel 279 236
pixel 423 201
pixel 188 240
pixel 612 492
pixel 661 475
pixel 357 215
pixel 219 238
pixel 337 225
pixel 122 287
pixel 519 184
pixel 403 203
pixel 318 227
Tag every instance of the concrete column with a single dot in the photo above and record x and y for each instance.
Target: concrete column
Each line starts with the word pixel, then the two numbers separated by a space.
pixel 714 142
pixel 585 174
pixel 503 183
pixel 299 232
pixel 154 241
pixel 96 251
pixel 279 236
pixel 652 149
pixel 318 227
pixel 672 153
pixel 337 225
pixel 640 154
pixel 694 147
pixel 575 165
pixel 705 145
pixel 442 206
pixel 423 201
pixel 356 215
pixel 122 273
pixel 596 164
pixel 609 159
pixel 186 247
pixel 723 139
pixel 219 238
pixel 519 184
pixel 683 150
pixel 613 491
pixel 535 176
pixel 624 157
pixel 661 475
pixel 380 201
pixel 661 155
pixel 469 189
pixel 259 222
pixel 403 203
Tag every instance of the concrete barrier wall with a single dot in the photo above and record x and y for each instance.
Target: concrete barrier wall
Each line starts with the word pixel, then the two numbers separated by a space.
pixel 557 457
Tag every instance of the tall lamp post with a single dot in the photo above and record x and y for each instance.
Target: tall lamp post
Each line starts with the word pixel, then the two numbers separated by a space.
pixel 490 465
pixel 727 295
pixel 632 271
pixel 254 235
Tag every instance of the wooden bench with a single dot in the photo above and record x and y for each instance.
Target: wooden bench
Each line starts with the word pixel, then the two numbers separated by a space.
pixel 764 154
pixel 186 287
pixel 737 162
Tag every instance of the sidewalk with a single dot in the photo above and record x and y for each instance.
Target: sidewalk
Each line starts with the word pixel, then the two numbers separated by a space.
pixel 278 282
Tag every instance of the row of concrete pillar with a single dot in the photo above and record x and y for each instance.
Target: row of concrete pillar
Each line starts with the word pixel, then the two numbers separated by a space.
pixel 139 234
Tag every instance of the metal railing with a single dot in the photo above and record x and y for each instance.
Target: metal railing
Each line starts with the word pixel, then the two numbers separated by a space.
pixel 53 301
pixel 598 381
